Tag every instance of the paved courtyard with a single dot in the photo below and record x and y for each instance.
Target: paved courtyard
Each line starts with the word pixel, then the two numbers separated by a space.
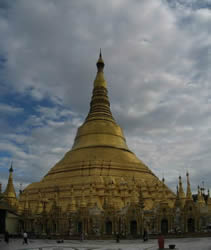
pixel 181 244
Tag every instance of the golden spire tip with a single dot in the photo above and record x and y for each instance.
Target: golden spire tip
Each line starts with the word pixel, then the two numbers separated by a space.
pixel 100 62
pixel 11 168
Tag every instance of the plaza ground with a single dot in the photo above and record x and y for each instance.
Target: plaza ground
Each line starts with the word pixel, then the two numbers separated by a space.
pixel 181 244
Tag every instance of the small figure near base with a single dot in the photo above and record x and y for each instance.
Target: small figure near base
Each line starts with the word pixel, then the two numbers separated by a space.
pixel 25 238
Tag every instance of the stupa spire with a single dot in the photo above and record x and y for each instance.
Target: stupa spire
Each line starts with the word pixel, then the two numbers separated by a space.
pixel 11 168
pixel 181 191
pixel 100 63
pixel 100 105
pixel 9 192
pixel 208 198
pixel 200 197
pixel 163 200
pixel 188 191
pixel 182 197
pixel 100 128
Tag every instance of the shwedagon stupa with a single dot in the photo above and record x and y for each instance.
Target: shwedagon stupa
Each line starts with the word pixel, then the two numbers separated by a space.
pixel 100 188
pixel 99 165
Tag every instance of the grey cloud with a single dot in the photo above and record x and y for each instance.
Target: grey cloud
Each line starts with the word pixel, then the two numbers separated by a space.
pixel 157 71
pixel 9 109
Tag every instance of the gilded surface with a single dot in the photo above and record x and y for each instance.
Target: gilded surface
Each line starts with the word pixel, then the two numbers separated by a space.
pixel 101 188
pixel 99 157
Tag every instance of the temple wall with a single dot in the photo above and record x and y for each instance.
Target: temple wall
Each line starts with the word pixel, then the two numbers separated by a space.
pixel 11 223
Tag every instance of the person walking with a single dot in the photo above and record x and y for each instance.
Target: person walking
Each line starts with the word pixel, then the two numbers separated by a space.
pixel 25 238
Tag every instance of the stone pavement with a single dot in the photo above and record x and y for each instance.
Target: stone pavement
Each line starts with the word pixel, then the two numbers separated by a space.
pixel 181 244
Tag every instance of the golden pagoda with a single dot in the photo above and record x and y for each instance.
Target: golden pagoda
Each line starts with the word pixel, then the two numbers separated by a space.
pixel 9 193
pixel 100 175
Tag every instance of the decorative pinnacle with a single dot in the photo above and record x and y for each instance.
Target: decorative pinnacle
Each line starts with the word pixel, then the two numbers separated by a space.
pixel 188 182
pixel 188 192
pixel 100 63
pixel 180 181
pixel 11 168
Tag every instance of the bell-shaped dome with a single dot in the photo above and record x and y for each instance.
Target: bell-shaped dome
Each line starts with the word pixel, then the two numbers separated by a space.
pixel 99 155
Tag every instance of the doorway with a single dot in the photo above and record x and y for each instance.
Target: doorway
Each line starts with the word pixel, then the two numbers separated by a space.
pixel 164 226
pixel 80 228
pixel 191 225
pixel 108 227
pixel 133 227
pixel 2 221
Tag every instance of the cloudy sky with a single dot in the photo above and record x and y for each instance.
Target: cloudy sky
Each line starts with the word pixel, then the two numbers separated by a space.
pixel 158 59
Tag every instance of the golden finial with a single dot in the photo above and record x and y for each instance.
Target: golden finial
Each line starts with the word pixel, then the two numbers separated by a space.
pixel 200 196
pixel 208 197
pixel 181 191
pixel 11 168
pixel 178 201
pixel 180 182
pixel 10 190
pixel 188 192
pixel 100 63
pixel 163 194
